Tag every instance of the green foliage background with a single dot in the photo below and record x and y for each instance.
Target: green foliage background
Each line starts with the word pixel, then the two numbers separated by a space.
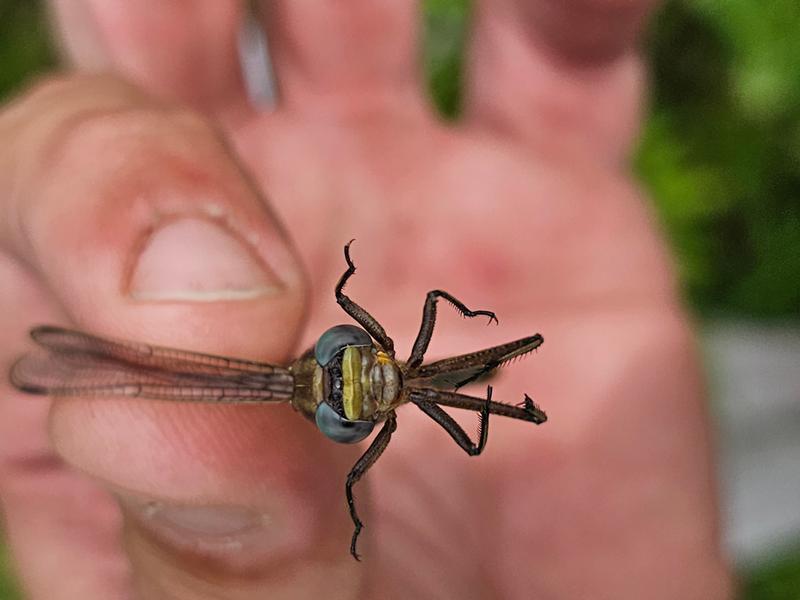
pixel 720 153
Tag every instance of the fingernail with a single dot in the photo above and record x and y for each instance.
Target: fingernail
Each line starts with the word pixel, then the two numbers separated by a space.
pixel 197 260
pixel 217 529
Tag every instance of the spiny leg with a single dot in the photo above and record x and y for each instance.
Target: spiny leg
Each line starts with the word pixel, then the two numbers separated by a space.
pixel 366 320
pixel 528 411
pixel 455 430
pixel 367 459
pixel 461 370
pixel 429 322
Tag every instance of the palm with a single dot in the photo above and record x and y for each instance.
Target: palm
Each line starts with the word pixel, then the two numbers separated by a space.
pixel 557 248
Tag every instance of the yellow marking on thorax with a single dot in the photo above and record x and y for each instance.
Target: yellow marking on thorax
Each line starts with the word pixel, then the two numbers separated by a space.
pixel 382 358
pixel 352 394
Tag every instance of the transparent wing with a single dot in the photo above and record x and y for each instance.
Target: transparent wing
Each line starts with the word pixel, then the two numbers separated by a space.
pixel 73 363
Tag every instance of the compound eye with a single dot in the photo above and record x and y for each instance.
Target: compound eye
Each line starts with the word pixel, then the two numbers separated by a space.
pixel 340 429
pixel 336 339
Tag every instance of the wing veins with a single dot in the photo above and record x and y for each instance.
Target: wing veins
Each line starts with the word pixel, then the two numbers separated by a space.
pixel 76 364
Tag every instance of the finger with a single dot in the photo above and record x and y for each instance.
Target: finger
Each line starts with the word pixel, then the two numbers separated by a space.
pixel 133 220
pixel 564 77
pixel 63 531
pixel 178 50
pixel 333 55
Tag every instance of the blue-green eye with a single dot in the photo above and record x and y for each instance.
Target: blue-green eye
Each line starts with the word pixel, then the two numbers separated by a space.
pixel 336 339
pixel 340 429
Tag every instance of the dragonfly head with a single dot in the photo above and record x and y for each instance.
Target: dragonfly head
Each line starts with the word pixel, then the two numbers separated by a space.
pixel 339 353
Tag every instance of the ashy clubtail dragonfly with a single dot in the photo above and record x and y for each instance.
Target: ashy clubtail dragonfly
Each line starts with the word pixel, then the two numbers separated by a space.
pixel 346 384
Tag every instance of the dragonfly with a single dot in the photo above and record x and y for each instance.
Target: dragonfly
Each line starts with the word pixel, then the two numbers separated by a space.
pixel 346 385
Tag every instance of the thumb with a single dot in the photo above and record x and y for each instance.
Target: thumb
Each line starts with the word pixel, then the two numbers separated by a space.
pixel 137 223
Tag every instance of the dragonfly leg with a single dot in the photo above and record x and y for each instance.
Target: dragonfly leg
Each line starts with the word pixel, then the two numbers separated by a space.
pixel 367 459
pixel 429 322
pixel 527 411
pixel 466 368
pixel 366 320
pixel 455 430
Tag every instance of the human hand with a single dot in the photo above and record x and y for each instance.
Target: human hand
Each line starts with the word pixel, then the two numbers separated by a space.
pixel 524 208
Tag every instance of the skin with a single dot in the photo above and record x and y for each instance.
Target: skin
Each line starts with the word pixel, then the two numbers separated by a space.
pixel 166 209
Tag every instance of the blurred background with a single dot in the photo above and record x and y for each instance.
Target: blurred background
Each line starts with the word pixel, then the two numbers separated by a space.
pixel 720 154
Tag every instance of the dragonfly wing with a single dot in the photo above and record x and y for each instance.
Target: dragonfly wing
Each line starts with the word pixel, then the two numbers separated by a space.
pixel 68 341
pixel 72 363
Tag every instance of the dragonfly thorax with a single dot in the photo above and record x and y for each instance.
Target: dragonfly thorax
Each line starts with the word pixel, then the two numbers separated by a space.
pixel 355 384
pixel 359 383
